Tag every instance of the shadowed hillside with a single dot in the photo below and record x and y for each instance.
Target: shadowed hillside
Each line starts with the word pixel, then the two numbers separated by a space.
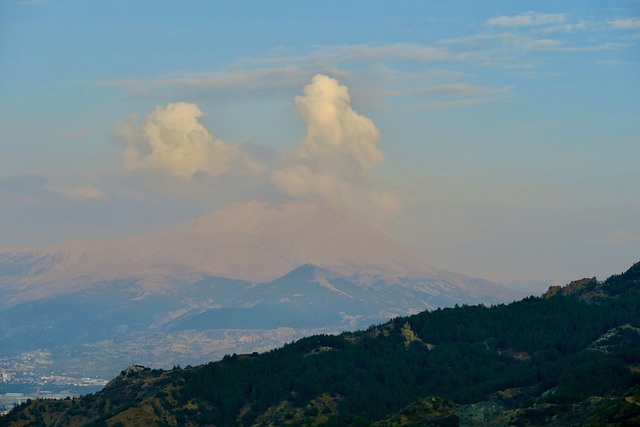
pixel 570 357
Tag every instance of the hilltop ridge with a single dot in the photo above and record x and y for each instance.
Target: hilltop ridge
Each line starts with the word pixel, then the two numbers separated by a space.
pixel 555 360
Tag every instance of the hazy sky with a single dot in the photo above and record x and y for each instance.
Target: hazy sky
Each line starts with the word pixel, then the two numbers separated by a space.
pixel 499 139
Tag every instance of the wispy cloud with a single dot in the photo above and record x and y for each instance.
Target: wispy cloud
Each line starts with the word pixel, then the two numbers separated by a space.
pixel 625 24
pixel 567 28
pixel 36 189
pixel 446 96
pixel 483 44
pixel 32 185
pixel 521 41
pixel 232 83
pixel 450 90
pixel 392 52
pixel 82 193
pixel 526 19
pixel 527 51
pixel 450 104
pixel 31 2
pixel 269 74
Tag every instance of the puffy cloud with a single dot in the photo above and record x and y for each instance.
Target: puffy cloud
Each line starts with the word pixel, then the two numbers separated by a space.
pixel 172 140
pixel 527 19
pixel 334 160
pixel 335 132
pixel 332 164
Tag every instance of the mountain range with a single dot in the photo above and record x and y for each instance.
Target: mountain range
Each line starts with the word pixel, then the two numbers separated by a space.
pixel 247 277
pixel 570 357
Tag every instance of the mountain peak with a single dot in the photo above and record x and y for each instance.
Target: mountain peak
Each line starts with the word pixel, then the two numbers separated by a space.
pixel 308 233
pixel 254 242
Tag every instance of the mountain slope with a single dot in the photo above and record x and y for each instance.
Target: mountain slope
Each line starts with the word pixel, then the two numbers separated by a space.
pixel 254 242
pixel 248 277
pixel 555 360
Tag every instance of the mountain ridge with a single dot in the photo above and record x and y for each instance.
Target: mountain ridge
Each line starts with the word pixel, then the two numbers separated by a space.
pixel 567 359
pixel 324 272
pixel 253 241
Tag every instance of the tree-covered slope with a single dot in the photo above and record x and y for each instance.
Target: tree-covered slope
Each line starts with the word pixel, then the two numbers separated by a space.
pixel 570 357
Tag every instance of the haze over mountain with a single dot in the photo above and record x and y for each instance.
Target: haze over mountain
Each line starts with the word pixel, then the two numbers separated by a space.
pixel 230 281
pixel 253 241
pixel 567 358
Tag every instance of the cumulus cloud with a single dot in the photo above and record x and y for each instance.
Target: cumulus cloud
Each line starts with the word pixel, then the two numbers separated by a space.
pixel 527 19
pixel 334 161
pixel 173 141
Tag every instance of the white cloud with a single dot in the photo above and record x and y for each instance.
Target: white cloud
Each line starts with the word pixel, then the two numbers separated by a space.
pixel 172 140
pixel 392 52
pixel 333 162
pixel 625 24
pixel 457 89
pixel 234 83
pixel 496 44
pixel 447 96
pixel 450 104
pixel 334 130
pixel 543 44
pixel 527 19
pixel 568 28
pixel 271 74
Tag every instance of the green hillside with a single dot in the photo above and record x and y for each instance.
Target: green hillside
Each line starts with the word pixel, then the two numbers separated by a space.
pixel 569 357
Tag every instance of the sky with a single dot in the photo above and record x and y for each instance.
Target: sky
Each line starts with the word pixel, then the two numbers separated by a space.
pixel 499 140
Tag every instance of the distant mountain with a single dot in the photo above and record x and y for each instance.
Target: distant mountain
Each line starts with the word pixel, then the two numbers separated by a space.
pixel 254 242
pixel 568 358
pixel 288 268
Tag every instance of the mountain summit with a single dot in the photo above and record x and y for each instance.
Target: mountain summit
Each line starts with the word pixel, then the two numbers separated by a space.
pixel 254 241
pixel 268 241
pixel 247 277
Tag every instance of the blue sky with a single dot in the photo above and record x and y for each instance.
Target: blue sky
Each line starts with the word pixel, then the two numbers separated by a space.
pixel 504 138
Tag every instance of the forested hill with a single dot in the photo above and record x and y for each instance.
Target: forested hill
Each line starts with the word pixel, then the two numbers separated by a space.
pixel 570 357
